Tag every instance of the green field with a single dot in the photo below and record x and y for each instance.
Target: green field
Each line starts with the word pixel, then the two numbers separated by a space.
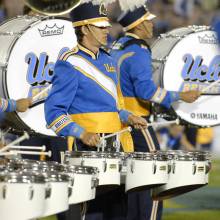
pixel 201 204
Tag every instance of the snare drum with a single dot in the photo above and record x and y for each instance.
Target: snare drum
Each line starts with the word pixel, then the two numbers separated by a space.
pixel 83 183
pixel 188 172
pixel 108 164
pixel 29 48
pixel 57 193
pixel 146 170
pixel 22 195
pixel 179 66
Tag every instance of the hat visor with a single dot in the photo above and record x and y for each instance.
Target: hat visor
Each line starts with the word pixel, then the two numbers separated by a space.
pixel 101 24
pixel 150 17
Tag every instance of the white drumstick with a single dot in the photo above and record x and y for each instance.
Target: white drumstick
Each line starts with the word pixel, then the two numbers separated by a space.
pixel 34 98
pixel 43 148
pixel 117 133
pixel 17 141
pixel 49 153
pixel 210 86
pixel 165 123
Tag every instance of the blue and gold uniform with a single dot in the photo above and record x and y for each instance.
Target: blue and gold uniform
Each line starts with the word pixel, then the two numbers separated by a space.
pixel 133 57
pixel 84 94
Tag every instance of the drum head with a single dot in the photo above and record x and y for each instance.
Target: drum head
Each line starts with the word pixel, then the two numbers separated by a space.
pixel 192 64
pixel 31 64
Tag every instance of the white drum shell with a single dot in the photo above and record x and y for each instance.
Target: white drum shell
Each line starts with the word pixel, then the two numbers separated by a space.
pixel 83 188
pixel 17 203
pixel 185 176
pixel 109 173
pixel 145 173
pixel 58 199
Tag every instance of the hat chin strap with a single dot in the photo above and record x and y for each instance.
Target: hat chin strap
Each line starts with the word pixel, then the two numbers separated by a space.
pixel 93 34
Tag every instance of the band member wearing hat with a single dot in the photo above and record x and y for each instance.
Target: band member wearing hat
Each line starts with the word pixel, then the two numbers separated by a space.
pixel 133 57
pixel 84 99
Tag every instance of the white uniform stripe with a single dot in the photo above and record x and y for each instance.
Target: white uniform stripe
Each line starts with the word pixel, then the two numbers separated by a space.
pixel 105 81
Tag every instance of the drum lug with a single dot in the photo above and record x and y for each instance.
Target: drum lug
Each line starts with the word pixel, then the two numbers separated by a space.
pixel 95 182
pixel 160 60
pixel 132 166
pixel 104 166
pixel 72 181
pixel 154 167
pixel 70 191
pixel 174 168
pixel 48 192
pixel 207 167
pixel 120 166
pixel 4 191
pixel 169 167
pixel 194 169
pixel 31 192
pixel 82 162
pixel 3 65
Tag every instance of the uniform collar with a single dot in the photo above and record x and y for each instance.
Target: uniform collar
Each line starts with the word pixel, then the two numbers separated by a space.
pixel 88 52
pixel 132 35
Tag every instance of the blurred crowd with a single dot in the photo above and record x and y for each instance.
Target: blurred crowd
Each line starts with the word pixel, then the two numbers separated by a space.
pixel 170 14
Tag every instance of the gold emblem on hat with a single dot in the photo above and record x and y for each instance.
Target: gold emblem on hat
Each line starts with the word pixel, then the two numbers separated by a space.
pixel 102 9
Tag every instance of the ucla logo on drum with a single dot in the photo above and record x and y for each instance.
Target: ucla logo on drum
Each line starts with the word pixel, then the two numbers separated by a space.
pixel 197 75
pixel 40 73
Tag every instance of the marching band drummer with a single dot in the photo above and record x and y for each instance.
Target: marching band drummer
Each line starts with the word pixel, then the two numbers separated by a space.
pixel 133 57
pixel 84 101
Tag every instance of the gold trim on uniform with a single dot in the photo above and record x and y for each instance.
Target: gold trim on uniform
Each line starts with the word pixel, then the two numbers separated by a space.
pixel 99 122
pixel 132 35
pixel 137 22
pixel 86 50
pixel 89 21
pixel 137 106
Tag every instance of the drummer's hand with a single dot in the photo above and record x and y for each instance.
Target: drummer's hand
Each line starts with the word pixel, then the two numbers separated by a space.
pixel 23 104
pixel 190 96
pixel 137 122
pixel 90 139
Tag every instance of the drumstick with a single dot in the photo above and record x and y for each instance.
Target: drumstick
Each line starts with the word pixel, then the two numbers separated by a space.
pixel 210 86
pixel 43 148
pixel 34 98
pixel 13 143
pixel 165 123
pixel 117 133
pixel 49 153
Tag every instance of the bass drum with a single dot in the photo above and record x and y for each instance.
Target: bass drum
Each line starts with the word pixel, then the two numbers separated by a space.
pixel 185 59
pixel 29 48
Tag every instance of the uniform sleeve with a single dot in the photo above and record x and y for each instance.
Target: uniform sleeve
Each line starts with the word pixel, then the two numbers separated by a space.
pixel 139 67
pixel 64 87
pixel 7 105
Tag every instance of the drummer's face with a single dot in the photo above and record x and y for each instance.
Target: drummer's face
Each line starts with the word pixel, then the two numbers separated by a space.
pixel 148 29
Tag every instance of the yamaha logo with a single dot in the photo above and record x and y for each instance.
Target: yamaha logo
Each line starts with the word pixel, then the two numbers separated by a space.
pixel 51 31
pixel 212 39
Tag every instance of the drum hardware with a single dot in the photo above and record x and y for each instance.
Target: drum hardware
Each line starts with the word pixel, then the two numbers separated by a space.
pixel 48 191
pixel 176 36
pixel 95 182
pixel 17 141
pixel 194 168
pixel 102 143
pixel 158 60
pixel 199 28
pixel 154 167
